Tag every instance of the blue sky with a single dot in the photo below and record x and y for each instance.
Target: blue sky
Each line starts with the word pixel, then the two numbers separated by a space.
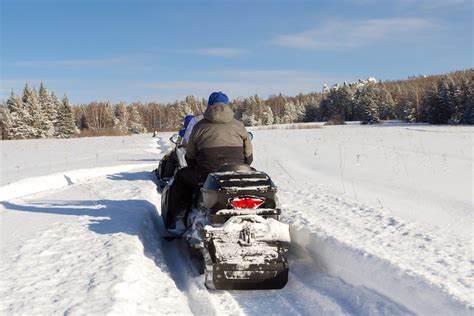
pixel 164 50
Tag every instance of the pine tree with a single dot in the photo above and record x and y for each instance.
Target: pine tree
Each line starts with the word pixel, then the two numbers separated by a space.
pixel 57 106
pixel 5 122
pixel 441 105
pixel 20 118
pixel 267 116
pixel 386 104
pixel 248 118
pixel 459 101
pixel 300 111
pixel 249 114
pixel 66 127
pixel 338 105
pixel 183 109
pixel 31 102
pixel 467 116
pixel 121 118
pixel 290 113
pixel 427 104
pixel 48 112
pixel 135 121
pixel 367 102
pixel 196 106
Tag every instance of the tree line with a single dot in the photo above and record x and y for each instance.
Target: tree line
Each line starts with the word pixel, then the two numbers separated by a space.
pixel 37 114
pixel 438 99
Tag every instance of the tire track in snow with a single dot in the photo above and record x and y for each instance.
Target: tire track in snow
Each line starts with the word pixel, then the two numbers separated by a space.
pixel 201 300
pixel 312 292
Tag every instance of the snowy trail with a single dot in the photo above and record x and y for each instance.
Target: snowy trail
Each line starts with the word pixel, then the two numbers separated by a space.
pixel 105 255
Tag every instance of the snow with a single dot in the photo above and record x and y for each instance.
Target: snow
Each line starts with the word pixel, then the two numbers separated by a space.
pixel 400 194
pixel 380 222
pixel 90 259
pixel 264 229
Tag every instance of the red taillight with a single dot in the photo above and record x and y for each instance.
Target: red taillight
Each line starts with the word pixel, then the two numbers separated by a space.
pixel 246 202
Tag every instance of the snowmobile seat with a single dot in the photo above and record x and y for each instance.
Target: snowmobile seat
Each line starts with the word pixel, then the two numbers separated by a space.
pixel 238 167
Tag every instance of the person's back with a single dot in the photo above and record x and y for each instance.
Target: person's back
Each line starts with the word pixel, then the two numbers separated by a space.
pixel 218 139
pixel 215 140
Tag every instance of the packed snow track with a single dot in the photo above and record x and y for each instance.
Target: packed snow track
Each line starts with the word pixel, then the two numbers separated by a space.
pixel 98 250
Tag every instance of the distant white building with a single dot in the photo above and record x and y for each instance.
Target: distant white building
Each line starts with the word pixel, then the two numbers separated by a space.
pixel 325 88
pixel 359 83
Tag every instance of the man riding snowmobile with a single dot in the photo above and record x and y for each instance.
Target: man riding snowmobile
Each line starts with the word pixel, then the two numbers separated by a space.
pixel 231 225
pixel 215 140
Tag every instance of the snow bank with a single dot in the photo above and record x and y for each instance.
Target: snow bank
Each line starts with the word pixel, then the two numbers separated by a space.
pixel 359 268
pixel 20 159
pixel 55 181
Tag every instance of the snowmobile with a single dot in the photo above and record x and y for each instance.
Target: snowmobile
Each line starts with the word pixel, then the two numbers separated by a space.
pixel 233 229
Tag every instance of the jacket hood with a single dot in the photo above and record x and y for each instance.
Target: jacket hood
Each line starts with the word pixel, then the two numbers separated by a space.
pixel 219 113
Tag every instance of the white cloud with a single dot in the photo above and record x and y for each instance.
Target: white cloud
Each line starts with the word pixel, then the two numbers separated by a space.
pixel 437 3
pixel 220 52
pixel 74 62
pixel 338 34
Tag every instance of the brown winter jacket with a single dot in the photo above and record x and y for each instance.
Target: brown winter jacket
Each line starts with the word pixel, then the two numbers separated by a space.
pixel 217 139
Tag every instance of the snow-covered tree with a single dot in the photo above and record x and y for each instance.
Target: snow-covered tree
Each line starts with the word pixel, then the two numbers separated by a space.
pixel 49 114
pixel 290 113
pixel 135 121
pixel 367 100
pixel 121 118
pixel 338 105
pixel 20 118
pixel 183 109
pixel 66 126
pixel 250 114
pixel 36 117
pixel 385 104
pixel 445 105
pixel 197 106
pixel 467 116
pixel 267 115
pixel 248 118
pixel 5 122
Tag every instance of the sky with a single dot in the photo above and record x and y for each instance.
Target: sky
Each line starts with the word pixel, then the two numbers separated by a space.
pixel 162 51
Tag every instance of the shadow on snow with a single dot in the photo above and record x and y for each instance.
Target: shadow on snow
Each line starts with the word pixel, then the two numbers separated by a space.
pixel 107 216
pixel 133 176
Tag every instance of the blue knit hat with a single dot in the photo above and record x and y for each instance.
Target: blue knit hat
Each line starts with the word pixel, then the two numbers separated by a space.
pixel 187 119
pixel 217 97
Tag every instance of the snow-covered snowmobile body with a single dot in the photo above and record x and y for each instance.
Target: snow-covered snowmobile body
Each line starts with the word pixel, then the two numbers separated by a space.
pixel 234 227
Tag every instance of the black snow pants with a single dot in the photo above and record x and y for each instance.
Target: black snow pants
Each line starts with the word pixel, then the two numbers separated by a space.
pixel 170 165
pixel 180 197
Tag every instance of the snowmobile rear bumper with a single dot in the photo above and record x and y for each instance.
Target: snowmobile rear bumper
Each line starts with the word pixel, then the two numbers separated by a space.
pixel 254 277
